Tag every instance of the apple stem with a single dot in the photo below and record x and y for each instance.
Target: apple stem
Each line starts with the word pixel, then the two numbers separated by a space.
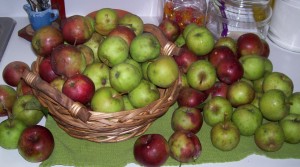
pixel 180 164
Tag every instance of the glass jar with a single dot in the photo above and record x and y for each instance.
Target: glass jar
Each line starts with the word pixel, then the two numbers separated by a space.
pixel 235 17
pixel 185 12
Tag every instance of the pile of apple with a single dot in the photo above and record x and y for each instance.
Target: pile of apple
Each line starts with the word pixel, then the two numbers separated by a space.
pixel 23 112
pixel 230 85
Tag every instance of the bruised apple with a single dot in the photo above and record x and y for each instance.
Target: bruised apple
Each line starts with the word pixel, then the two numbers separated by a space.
pixel 67 60
pixel 45 39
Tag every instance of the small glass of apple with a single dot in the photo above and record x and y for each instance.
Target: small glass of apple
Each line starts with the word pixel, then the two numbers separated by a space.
pixel 185 12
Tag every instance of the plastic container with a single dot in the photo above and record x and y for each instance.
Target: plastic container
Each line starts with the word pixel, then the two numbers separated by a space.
pixel 235 17
pixel 185 12
pixel 284 28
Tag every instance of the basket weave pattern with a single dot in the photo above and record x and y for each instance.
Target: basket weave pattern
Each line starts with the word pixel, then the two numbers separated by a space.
pixel 103 127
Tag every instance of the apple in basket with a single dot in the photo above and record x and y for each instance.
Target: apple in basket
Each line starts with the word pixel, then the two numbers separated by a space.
pixel 13 72
pixel 67 60
pixel 45 39
pixel 106 19
pixel 170 29
pixel 132 21
pixel 77 29
pixel 36 143
pixel 124 32
pixel 79 88
pixel 8 96
pixel 87 52
pixel 45 70
pixel 151 150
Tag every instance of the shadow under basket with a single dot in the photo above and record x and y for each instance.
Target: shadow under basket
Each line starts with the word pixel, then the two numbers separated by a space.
pixel 80 122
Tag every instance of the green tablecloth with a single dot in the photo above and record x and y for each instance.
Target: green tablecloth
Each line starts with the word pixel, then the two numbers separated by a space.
pixel 75 152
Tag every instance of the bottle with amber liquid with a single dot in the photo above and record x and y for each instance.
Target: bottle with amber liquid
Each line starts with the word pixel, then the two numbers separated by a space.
pixel 185 12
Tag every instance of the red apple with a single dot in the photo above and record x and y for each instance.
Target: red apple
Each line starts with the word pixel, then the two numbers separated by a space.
pixel 79 88
pixel 67 60
pixel 8 96
pixel 151 150
pixel 218 89
pixel 124 32
pixel 185 59
pixel 184 146
pixel 220 53
pixel 230 70
pixel 36 143
pixel 191 97
pixel 77 29
pixel 45 39
pixel 170 29
pixel 187 119
pixel 13 72
pixel 45 70
pixel 249 44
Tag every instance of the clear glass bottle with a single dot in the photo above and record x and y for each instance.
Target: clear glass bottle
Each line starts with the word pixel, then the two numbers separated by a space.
pixel 185 12
pixel 236 17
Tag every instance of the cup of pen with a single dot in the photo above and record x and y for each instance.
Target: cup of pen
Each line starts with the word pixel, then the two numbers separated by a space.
pixel 39 19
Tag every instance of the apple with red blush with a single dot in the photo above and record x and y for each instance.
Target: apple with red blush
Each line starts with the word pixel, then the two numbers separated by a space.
pixel 170 29
pixel 124 32
pixel 218 89
pixel 187 119
pixel 184 146
pixel 24 88
pixel 45 39
pixel 266 49
pixel 185 59
pixel 77 29
pixel 229 71
pixel 36 143
pixel 45 70
pixel 79 88
pixel 8 96
pixel 191 97
pixel 151 150
pixel 220 53
pixel 249 44
pixel 13 72
pixel 67 60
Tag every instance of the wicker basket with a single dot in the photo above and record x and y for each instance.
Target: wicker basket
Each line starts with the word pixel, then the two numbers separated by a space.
pixel 78 121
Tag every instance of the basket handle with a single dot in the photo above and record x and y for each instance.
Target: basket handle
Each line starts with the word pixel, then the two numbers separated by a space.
pixel 168 48
pixel 76 109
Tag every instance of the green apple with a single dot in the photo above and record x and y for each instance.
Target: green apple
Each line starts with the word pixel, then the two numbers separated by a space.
pixel 256 99
pixel 99 73
pixel 240 93
pixel 188 28
pixel 200 41
pixel 294 101
pixel 10 132
pixel 58 83
pixel 258 83
pixel 201 75
pixel 107 100
pixel 124 77
pixel 163 71
pixel 127 103
pixel 145 66
pixel 133 22
pixel 28 109
pixel 227 41
pixel 269 137
pixel 225 136
pixel 180 41
pixel 94 43
pixel 247 118
pixel 216 110
pixel 144 47
pixel 144 94
pixel 87 53
pixel 268 65
pixel 113 50
pixel 278 80
pixel 274 105
pixel 106 19
pixel 136 64
pixel 291 128
pixel 254 66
